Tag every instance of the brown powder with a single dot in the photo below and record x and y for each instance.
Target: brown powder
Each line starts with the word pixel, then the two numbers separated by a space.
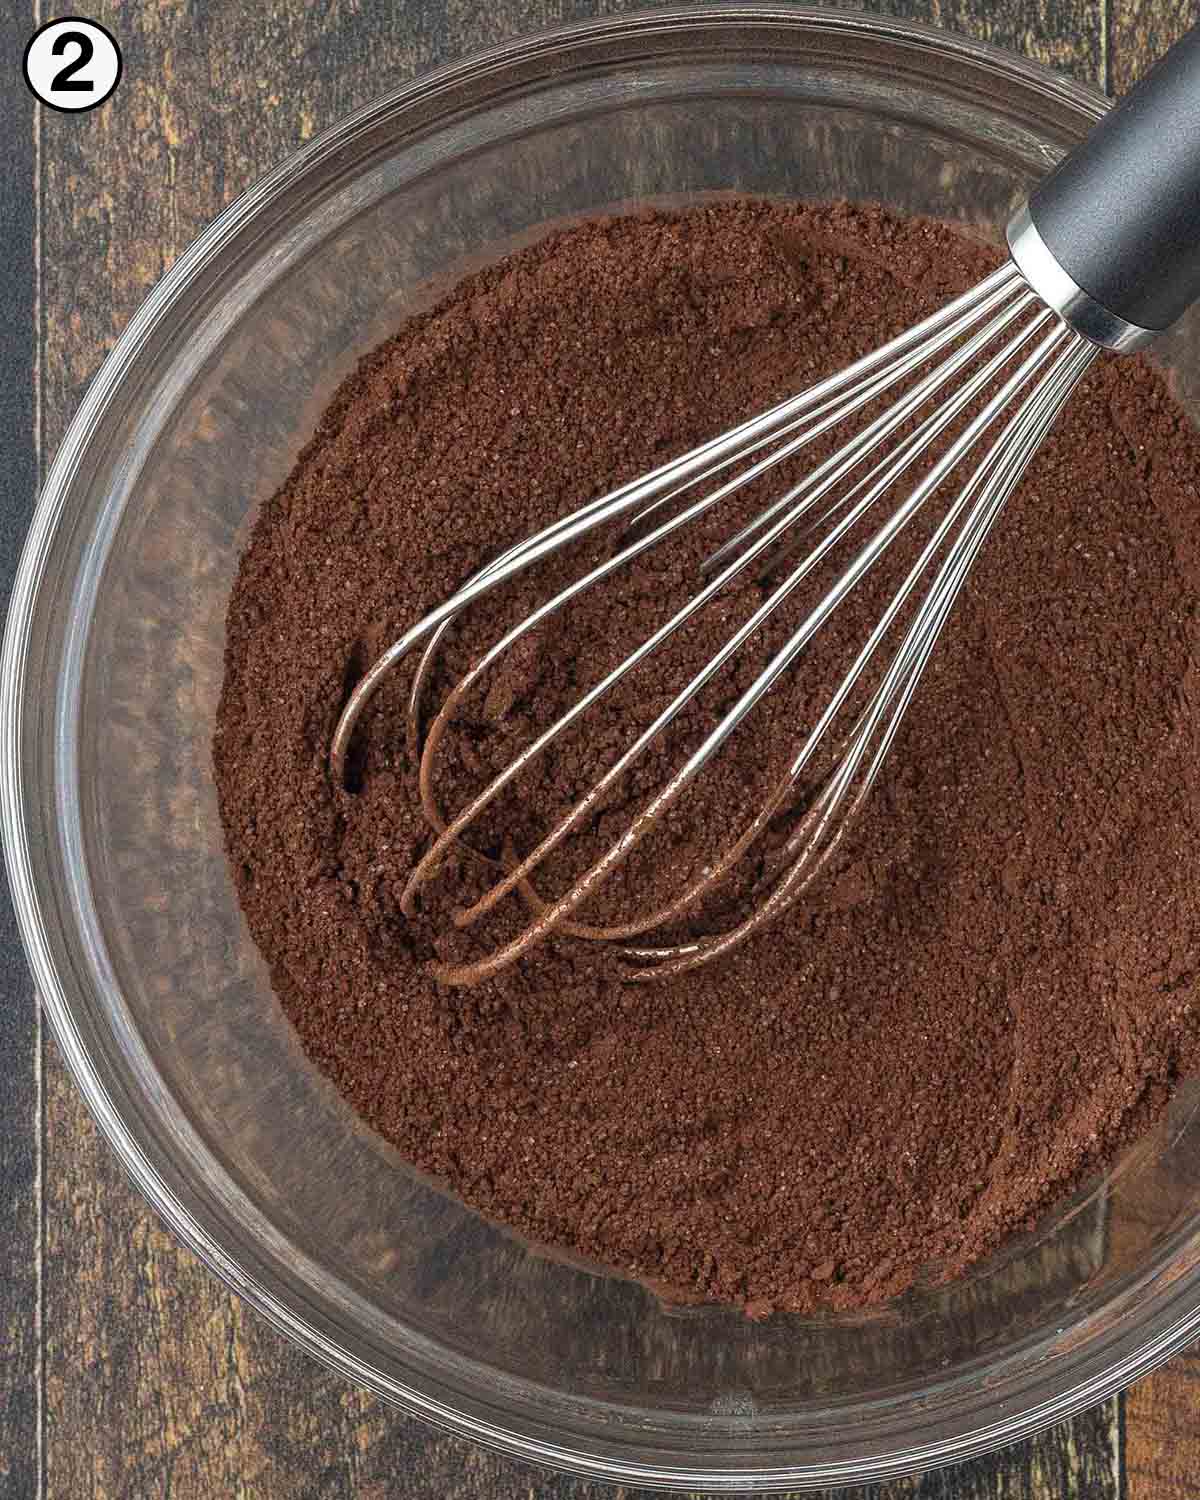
pixel 993 991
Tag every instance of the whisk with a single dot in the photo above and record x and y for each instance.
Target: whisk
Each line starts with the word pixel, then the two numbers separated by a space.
pixel 1104 255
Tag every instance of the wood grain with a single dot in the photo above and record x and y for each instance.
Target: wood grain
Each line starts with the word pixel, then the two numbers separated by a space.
pixel 1162 1412
pixel 20 1281
pixel 1141 31
pixel 1162 1424
pixel 158 1382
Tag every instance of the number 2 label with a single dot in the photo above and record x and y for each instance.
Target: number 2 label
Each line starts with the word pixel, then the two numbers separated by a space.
pixel 72 64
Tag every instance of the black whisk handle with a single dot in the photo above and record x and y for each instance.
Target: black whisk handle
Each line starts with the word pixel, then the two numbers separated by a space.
pixel 1120 215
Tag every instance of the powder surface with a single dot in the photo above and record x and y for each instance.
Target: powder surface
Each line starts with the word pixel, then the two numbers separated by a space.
pixel 995 987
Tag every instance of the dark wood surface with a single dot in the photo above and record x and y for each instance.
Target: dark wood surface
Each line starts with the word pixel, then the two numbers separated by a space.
pixel 20 1040
pixel 125 1370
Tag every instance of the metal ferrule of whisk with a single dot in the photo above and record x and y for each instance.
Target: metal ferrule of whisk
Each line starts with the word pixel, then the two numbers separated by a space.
pixel 1104 255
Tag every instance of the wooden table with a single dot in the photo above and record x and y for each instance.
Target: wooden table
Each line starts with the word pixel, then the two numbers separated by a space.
pixel 125 1369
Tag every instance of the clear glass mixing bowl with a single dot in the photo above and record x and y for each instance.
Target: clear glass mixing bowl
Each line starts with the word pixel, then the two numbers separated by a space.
pixel 111 669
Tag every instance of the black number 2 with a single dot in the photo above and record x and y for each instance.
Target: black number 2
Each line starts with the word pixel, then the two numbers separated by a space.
pixel 63 79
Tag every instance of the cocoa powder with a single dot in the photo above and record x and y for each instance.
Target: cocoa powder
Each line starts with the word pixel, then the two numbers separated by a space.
pixel 990 994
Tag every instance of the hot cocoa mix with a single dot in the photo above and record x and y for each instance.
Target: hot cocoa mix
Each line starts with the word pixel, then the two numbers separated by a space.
pixel 993 989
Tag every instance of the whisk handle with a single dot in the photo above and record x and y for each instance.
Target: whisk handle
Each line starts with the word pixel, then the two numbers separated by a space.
pixel 1120 215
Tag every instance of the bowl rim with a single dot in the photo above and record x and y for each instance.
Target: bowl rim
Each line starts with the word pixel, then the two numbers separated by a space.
pixel 1178 1320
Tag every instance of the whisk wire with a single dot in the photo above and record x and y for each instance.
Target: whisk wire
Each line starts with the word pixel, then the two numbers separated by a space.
pixel 551 916
pixel 964 348
pixel 599 512
pixel 994 481
pixel 449 835
pixel 825 475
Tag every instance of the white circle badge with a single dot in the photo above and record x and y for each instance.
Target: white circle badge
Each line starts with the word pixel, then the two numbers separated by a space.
pixel 72 64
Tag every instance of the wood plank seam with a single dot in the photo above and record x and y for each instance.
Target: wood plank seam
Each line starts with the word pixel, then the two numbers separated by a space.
pixel 1122 1476
pixel 39 1050
pixel 39 1019
pixel 1106 72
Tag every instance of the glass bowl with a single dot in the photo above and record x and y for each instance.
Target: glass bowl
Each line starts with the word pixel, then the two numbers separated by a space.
pixel 111 670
